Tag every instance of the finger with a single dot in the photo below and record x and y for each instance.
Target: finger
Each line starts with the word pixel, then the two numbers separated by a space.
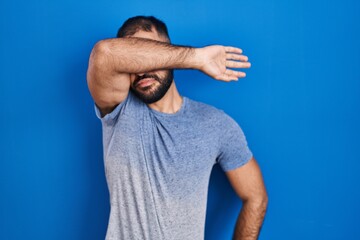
pixel 233 56
pixel 226 78
pixel 234 64
pixel 234 73
pixel 233 49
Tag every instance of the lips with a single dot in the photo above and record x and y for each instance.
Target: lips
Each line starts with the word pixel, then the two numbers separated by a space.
pixel 145 82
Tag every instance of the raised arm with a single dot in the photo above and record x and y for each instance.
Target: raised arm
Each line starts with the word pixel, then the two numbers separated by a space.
pixel 113 60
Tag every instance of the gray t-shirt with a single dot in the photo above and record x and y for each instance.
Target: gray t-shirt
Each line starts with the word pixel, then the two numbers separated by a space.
pixel 158 166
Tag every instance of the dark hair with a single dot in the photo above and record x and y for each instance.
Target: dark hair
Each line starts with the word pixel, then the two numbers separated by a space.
pixel 143 23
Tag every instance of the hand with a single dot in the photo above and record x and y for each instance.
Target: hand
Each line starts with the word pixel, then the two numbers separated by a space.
pixel 216 59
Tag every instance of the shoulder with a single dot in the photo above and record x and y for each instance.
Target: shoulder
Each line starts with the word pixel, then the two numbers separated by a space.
pixel 207 112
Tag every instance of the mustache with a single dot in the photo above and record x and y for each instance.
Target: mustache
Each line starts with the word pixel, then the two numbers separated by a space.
pixel 139 78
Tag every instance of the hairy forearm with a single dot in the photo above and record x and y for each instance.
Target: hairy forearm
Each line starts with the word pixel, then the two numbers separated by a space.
pixel 250 220
pixel 136 55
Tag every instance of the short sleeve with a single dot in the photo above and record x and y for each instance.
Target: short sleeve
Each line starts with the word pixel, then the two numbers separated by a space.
pixel 113 115
pixel 234 150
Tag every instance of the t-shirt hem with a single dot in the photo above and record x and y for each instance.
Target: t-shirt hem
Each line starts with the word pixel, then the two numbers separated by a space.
pixel 248 157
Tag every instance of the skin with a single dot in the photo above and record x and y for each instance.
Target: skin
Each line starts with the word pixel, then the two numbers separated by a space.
pixel 172 100
pixel 247 182
pixel 116 65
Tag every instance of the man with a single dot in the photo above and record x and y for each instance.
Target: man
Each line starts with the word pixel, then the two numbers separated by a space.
pixel 159 146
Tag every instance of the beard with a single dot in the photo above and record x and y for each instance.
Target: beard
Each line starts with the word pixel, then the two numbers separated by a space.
pixel 153 93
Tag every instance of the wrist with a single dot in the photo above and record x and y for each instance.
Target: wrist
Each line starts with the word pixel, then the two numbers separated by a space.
pixel 195 60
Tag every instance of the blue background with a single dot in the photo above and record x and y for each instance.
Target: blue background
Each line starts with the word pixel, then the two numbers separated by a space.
pixel 299 107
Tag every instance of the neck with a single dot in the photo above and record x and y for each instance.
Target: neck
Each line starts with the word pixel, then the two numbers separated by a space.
pixel 170 103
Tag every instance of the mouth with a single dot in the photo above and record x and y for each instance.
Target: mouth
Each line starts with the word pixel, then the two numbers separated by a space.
pixel 145 82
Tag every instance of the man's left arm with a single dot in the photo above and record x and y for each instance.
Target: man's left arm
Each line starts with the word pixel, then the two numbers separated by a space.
pixel 247 182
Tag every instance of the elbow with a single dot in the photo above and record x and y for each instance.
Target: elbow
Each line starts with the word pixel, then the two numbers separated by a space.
pixel 262 201
pixel 101 46
pixel 99 52
pixel 259 201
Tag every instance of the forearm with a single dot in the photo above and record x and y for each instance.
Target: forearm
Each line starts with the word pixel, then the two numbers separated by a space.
pixel 250 220
pixel 136 55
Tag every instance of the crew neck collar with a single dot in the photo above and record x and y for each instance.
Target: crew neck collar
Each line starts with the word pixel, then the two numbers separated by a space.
pixel 184 102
